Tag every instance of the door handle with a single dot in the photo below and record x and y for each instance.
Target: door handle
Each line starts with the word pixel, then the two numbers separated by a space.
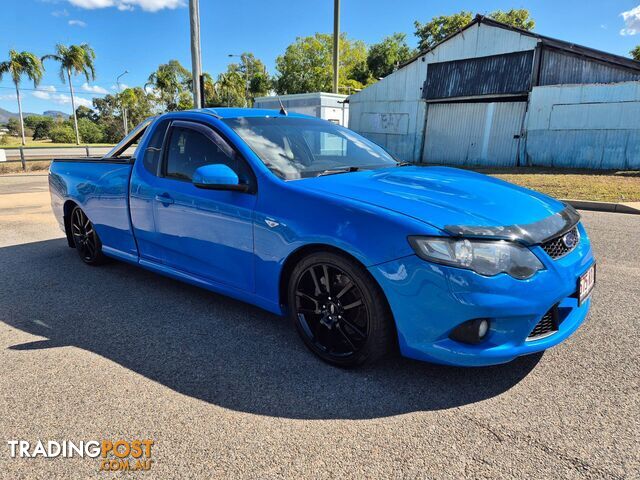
pixel 164 198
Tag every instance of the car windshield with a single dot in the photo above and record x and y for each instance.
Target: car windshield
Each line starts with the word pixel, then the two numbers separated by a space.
pixel 306 147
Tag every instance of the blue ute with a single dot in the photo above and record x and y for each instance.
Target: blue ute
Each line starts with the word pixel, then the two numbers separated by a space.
pixel 308 219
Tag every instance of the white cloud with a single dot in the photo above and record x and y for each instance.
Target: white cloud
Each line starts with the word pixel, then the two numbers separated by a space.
pixel 146 5
pixel 41 95
pixel 8 96
pixel 60 13
pixel 77 23
pixel 48 88
pixel 631 21
pixel 61 98
pixel 93 88
pixel 123 86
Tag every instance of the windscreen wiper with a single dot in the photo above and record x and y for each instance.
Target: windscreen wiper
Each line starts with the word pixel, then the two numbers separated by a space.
pixel 403 164
pixel 336 171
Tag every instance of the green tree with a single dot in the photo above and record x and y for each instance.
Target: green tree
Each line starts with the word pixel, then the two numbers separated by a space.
pixel 635 53
pixel 13 125
pixel 306 65
pixel 40 126
pixel 62 133
pixel 516 17
pixel 107 114
pixel 252 77
pixel 228 90
pixel 74 59
pixel 439 28
pixel 85 112
pixel 90 132
pixel 169 83
pixel 384 57
pixel 138 104
pixel 19 64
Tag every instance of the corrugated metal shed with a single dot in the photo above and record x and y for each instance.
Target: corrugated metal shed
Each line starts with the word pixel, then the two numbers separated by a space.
pixel 508 73
pixel 485 62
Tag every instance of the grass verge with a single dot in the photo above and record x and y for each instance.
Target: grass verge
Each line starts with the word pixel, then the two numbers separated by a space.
pixel 597 185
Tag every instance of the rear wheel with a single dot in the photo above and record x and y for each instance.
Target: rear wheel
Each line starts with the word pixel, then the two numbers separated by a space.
pixel 339 311
pixel 85 238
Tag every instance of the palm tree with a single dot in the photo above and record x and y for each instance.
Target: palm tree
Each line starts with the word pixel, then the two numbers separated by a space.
pixel 230 85
pixel 20 63
pixel 74 59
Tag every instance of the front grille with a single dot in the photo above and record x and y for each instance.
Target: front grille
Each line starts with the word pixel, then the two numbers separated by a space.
pixel 547 325
pixel 557 247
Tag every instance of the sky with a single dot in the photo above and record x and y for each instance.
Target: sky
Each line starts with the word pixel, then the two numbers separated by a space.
pixel 139 35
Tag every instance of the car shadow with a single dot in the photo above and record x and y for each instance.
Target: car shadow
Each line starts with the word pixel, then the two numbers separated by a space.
pixel 214 348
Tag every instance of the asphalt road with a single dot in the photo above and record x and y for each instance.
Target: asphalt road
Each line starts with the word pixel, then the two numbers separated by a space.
pixel 228 391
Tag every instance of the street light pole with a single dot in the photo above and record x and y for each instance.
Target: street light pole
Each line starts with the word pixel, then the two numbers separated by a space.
pixel 124 110
pixel 336 44
pixel 196 58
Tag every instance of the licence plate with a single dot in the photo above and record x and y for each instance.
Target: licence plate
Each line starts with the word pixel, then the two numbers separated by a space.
pixel 586 282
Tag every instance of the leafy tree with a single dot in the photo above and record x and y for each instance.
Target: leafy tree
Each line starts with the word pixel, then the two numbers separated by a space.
pixel 13 125
pixel 62 133
pixel 306 65
pixel 139 104
pixel 229 90
pixel 108 116
pixel 439 28
pixel 19 64
pixel 90 132
pixel 253 79
pixel 384 57
pixel 169 83
pixel 635 53
pixel 85 112
pixel 74 59
pixel 516 17
pixel 39 125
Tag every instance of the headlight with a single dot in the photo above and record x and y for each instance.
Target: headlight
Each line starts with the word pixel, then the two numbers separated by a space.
pixel 482 256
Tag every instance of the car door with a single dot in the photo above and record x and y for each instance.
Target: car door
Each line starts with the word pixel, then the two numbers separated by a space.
pixel 208 233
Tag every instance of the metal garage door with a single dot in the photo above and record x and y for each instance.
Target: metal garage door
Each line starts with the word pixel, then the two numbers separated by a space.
pixel 483 133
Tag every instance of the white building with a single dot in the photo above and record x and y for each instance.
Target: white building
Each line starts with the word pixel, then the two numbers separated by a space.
pixel 492 94
pixel 328 106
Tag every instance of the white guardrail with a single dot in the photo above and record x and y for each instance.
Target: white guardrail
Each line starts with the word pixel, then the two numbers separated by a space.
pixel 31 154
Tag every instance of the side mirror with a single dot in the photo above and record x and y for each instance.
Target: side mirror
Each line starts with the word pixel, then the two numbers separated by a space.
pixel 218 177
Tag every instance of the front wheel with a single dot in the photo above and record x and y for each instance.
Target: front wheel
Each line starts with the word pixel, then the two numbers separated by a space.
pixel 339 311
pixel 85 238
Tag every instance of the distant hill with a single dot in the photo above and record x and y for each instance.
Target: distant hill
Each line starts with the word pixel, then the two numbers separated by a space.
pixel 5 115
pixel 55 114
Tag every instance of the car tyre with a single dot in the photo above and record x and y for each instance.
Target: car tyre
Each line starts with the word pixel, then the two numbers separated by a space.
pixel 346 320
pixel 85 239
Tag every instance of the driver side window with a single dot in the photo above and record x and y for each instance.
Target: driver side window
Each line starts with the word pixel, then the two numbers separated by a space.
pixel 190 149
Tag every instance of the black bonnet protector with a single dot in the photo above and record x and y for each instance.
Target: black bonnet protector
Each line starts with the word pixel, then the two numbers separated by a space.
pixel 528 234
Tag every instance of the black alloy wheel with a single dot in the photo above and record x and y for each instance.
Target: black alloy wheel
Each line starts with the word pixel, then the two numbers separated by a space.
pixel 339 311
pixel 85 238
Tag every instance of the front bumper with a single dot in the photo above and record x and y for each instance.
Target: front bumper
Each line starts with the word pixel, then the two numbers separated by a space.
pixel 428 301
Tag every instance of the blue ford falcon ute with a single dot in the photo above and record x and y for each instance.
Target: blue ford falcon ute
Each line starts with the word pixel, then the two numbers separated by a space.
pixel 308 219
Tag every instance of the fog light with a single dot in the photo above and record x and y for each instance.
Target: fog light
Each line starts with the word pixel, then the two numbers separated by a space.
pixel 472 331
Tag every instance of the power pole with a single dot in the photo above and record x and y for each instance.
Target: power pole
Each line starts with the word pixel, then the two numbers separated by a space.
pixel 196 58
pixel 336 44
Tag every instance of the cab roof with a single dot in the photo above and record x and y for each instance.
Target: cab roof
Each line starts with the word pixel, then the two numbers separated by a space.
pixel 231 112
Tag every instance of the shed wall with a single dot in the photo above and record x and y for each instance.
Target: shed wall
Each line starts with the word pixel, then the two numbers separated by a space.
pixel 584 126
